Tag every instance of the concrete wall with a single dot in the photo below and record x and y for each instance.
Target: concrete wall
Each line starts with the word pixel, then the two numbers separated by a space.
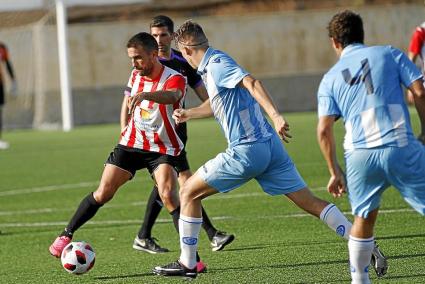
pixel 288 50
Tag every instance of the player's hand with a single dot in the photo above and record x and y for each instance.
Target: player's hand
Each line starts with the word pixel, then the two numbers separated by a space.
pixel 180 115
pixel 337 184
pixel 421 138
pixel 133 101
pixel 282 128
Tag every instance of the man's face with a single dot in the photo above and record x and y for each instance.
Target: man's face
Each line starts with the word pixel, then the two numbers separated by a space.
pixel 143 61
pixel 187 54
pixel 163 37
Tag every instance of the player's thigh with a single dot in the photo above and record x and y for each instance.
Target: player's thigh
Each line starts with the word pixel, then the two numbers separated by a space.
pixel 183 177
pixel 407 173
pixel 366 180
pixel 195 188
pixel 236 166
pixel 281 175
pixel 165 176
pixel 112 178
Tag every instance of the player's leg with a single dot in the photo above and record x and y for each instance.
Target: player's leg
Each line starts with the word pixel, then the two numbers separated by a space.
pixel 225 172
pixel 120 166
pixel 218 239
pixel 144 240
pixel 360 246
pixel 282 177
pixel 191 194
pixel 112 178
pixel 366 181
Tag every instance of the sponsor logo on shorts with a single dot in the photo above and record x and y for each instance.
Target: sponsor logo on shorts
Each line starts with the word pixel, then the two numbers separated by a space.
pixel 190 241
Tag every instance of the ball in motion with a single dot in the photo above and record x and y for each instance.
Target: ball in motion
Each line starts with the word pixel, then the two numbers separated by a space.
pixel 78 257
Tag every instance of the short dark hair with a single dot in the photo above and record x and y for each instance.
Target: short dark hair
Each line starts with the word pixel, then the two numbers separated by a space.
pixel 346 28
pixel 191 34
pixel 162 21
pixel 144 40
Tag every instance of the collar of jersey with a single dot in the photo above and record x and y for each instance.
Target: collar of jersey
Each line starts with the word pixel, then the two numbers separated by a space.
pixel 205 59
pixel 351 47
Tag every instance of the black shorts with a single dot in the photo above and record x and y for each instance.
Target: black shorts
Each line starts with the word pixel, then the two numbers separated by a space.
pixel 132 160
pixel 180 162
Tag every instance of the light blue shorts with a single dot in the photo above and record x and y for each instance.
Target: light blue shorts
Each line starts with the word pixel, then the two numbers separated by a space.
pixel 267 162
pixel 371 171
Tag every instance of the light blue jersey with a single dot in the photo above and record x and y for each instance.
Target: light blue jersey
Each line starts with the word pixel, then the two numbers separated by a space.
pixel 255 150
pixel 238 113
pixel 364 88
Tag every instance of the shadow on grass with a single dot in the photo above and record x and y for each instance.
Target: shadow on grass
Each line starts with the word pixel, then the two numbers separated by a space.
pixel 125 276
pixel 401 237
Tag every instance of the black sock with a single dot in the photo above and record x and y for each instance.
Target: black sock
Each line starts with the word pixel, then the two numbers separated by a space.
pixel 176 216
pixel 207 225
pixel 153 208
pixel 87 209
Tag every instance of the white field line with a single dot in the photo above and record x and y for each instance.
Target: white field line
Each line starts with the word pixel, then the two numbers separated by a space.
pixel 133 204
pixel 112 222
pixel 48 188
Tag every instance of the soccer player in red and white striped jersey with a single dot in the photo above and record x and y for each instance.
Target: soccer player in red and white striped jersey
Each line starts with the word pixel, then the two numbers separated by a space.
pixel 151 127
pixel 149 141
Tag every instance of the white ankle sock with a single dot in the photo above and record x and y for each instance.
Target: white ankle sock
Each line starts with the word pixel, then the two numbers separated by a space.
pixel 360 254
pixel 189 228
pixel 334 218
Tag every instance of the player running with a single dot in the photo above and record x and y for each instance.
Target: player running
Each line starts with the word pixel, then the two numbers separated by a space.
pixel 364 89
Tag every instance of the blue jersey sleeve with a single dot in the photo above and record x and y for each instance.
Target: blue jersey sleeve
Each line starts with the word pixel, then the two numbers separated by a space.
pixel 326 104
pixel 226 72
pixel 407 69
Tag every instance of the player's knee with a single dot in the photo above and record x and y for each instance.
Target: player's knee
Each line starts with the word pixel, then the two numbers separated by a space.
pixel 166 193
pixel 185 194
pixel 104 193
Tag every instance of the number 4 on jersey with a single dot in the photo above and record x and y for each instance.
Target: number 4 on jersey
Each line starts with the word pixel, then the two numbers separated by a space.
pixel 363 75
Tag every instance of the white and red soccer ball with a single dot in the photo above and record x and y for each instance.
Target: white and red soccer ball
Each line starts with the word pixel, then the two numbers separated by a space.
pixel 78 257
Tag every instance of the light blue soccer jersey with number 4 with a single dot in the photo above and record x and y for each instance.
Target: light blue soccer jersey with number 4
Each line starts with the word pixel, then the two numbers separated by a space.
pixel 237 112
pixel 364 88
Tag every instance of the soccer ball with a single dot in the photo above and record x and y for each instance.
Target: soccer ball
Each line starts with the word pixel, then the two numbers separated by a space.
pixel 78 257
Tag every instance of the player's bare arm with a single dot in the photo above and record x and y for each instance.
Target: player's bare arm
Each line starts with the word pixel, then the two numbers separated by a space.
pixel 201 92
pixel 202 111
pixel 124 112
pixel 166 97
pixel 418 91
pixel 261 95
pixel 326 139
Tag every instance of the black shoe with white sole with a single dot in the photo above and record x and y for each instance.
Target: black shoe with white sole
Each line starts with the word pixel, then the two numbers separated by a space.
pixel 220 240
pixel 148 245
pixel 175 269
pixel 379 261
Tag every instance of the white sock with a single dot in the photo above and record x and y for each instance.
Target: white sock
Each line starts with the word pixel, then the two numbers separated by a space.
pixel 334 218
pixel 360 254
pixel 189 228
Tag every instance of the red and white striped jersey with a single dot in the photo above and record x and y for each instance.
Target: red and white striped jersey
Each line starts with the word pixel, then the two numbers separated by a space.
pixel 417 43
pixel 151 127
